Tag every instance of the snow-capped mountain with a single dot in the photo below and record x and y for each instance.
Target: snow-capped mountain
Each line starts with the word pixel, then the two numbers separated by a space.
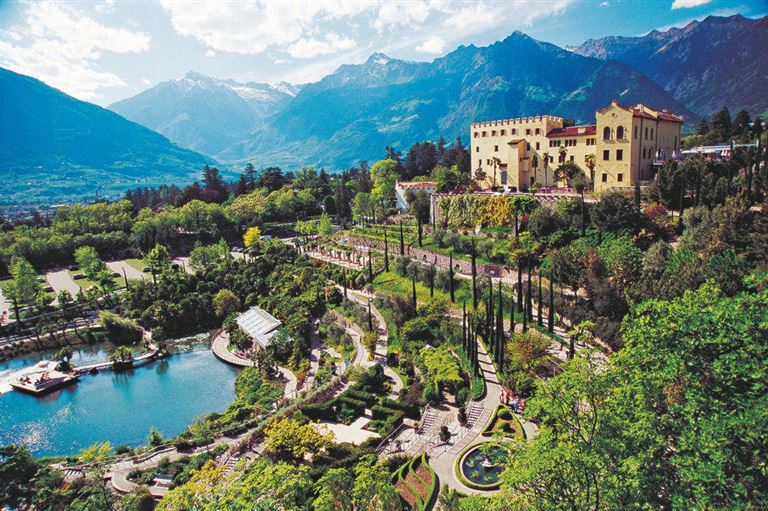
pixel 205 113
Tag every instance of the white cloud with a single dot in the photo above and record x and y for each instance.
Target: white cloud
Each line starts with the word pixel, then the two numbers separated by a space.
pixel 108 6
pixel 145 81
pixel 251 27
pixel 62 47
pixel 307 48
pixel 210 53
pixel 687 4
pixel 410 13
pixel 605 4
pixel 434 45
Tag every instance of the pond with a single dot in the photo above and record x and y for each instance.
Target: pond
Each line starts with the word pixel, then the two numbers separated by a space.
pixel 116 407
pixel 484 464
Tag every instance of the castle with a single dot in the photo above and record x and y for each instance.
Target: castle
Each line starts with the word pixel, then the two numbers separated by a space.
pixel 623 147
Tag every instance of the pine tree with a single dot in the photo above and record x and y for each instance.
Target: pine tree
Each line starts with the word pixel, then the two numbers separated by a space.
pixel 413 297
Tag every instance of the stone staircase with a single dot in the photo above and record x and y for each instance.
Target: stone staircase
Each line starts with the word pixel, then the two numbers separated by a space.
pixel 230 465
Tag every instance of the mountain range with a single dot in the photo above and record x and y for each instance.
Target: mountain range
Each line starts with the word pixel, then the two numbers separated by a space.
pixel 203 113
pixel 54 147
pixel 355 111
pixel 705 65
pixel 58 146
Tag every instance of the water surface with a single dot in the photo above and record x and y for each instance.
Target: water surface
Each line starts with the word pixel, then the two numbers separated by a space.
pixel 116 407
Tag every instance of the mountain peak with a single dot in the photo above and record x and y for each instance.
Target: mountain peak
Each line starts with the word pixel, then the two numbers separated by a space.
pixel 379 59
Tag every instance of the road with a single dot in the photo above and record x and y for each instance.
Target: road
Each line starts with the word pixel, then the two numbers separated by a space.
pixel 123 268
pixel 60 280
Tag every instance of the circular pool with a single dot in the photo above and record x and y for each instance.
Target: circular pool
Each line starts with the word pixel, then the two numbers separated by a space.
pixel 481 466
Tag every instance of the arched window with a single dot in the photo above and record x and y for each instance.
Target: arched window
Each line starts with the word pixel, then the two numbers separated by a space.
pixel 620 133
pixel 606 133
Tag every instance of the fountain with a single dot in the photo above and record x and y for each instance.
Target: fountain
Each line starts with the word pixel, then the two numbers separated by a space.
pixel 481 466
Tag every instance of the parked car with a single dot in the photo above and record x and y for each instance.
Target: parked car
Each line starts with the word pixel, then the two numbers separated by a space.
pixel 116 274
pixel 78 276
pixel 48 289
pixel 146 269
pixel 175 266
pixel 74 267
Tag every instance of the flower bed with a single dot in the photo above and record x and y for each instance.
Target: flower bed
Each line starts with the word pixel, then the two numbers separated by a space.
pixel 416 483
pixel 504 423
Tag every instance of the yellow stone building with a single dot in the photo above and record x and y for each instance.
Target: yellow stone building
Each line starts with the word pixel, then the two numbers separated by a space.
pixel 625 143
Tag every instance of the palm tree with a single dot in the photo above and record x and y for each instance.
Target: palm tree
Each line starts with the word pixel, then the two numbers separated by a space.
pixel 546 167
pixel 496 163
pixel 590 161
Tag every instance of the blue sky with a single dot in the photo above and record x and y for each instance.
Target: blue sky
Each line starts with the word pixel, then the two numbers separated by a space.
pixel 103 51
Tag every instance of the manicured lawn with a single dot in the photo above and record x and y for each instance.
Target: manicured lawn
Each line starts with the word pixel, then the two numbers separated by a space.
pixel 391 282
pixel 85 283
pixel 504 423
pixel 138 264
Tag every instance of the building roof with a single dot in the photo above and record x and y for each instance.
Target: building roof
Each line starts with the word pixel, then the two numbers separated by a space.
pixel 516 141
pixel 259 324
pixel 573 131
pixel 646 112
pixel 416 184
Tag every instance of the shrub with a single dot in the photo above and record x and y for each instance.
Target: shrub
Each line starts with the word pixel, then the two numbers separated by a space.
pixel 120 330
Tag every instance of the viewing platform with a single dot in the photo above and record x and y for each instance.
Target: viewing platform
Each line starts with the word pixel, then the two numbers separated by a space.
pixel 41 383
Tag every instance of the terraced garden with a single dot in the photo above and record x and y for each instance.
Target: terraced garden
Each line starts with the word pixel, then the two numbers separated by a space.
pixel 416 483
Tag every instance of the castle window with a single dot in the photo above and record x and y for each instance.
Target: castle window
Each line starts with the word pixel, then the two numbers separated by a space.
pixel 619 154
pixel 646 132
pixel 605 177
pixel 620 133
pixel 480 162
pixel 538 131
pixel 571 158
pixel 551 159
pixel 606 155
pixel 493 133
pixel 538 146
pixel 606 133
pixel 496 148
pixel 503 132
pixel 635 132
pixel 477 149
pixel 619 177
pixel 514 131
pixel 485 134
pixel 475 134
pixel 643 152
pixel 651 133
pixel 528 131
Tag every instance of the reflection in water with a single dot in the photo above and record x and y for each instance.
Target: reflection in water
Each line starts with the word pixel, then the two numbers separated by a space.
pixel 117 407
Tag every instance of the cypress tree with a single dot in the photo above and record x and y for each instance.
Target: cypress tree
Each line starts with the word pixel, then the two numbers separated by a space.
pixel 450 275
pixel 520 286
pixel 431 280
pixel 529 294
pixel 489 315
pixel 418 219
pixel 474 277
pixel 386 251
pixel 464 326
pixel 344 279
pixel 370 267
pixel 370 318
pixel 402 240
pixel 551 319
pixel 512 314
pixel 499 326
pixel 540 318
pixel 413 288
